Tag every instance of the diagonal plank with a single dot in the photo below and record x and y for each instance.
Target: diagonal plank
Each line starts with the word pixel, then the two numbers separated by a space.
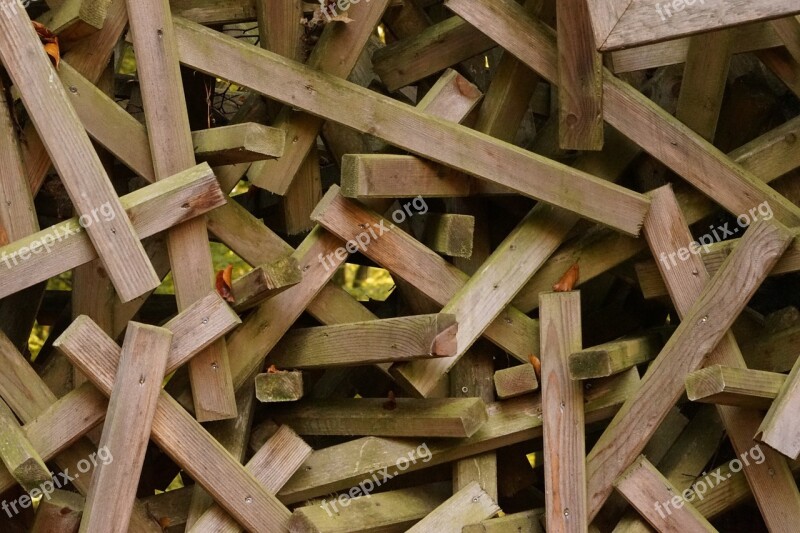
pixel 634 115
pixel 442 141
pixel 75 159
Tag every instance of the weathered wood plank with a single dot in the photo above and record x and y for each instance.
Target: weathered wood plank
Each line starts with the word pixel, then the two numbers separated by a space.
pixel 614 357
pixel 238 143
pixel 126 431
pixel 449 234
pixel 562 414
pixel 73 155
pixel 171 145
pixel 529 521
pixel 74 20
pixel 779 428
pixel 279 387
pixel 63 246
pixel 403 417
pixel 264 282
pixel 455 145
pixel 515 381
pixel 360 343
pixel 215 12
pixel 741 387
pixel 18 454
pixel 60 512
pixel 469 505
pixel 650 492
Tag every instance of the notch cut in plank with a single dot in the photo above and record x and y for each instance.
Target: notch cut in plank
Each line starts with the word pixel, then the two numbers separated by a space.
pixel 562 414
pixel 616 356
pixel 152 209
pixel 580 75
pixel 515 381
pixel 238 143
pixel 126 432
pixel 779 429
pixel 402 417
pixel 264 282
pixel 361 343
pixel 658 501
pixel 18 454
pixel 467 506
pixel 742 387
pixel 702 328
pixel 72 153
pixel 413 130
pixel 272 465
pixel 279 386
pixel 632 114
pixel 396 510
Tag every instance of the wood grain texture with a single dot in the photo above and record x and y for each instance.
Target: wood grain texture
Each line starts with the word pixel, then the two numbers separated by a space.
pixel 63 246
pixel 412 130
pixel 279 386
pixel 469 505
pixel 238 143
pixel 562 414
pixel 515 381
pixel 614 357
pixel 702 328
pixel 529 521
pixel 264 282
pixel 741 387
pixel 18 454
pixel 173 151
pixel 779 429
pixel 126 431
pixel 75 159
pixel 59 513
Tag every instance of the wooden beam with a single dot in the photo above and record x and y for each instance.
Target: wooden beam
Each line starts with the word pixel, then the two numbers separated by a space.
pixel 63 246
pixel 741 387
pixel 343 466
pixel 397 509
pixel 788 29
pixel 411 129
pixel 19 455
pixel 449 234
pixel 562 414
pixel 280 386
pixel 264 282
pixel 580 75
pixel 633 114
pixel 614 357
pixel 361 343
pixel 61 511
pixel 779 429
pixel 172 149
pixel 773 352
pixel 452 97
pixel 215 12
pixel 529 521
pixel 272 465
pixel 650 492
pixel 403 417
pixel 238 143
pixel 126 432
pixel 73 155
pixel 469 505
pixel 703 326
pixel 74 20
pixel 515 381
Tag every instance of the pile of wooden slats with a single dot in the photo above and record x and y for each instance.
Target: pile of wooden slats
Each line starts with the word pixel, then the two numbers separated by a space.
pixel 586 211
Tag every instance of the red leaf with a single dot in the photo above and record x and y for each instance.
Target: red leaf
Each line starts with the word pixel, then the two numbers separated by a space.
pixel 224 284
pixel 568 280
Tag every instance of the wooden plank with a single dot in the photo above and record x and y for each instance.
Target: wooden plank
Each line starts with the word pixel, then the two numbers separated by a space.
pixel 393 511
pixel 279 387
pixel 427 271
pixel 215 12
pixel 741 387
pixel 75 159
pixel 126 432
pixel 18 454
pixel 448 233
pixel 633 114
pixel 65 245
pixel 264 282
pixel 778 429
pixel 172 149
pixel 650 21
pixel 360 343
pixel 511 421
pixel 515 381
pixel 412 130
pixel 404 417
pixel 788 29
pixel 562 412
pixel 580 75
pixel 614 357
pixel 704 325
pixel 238 143
pixel 180 436
pixel 272 465
pixel 60 512
pixel 529 521
pixel 74 20
pixel 469 505
pixel 775 352
pixel 650 492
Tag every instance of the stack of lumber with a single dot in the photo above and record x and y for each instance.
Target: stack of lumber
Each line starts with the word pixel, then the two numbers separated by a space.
pixel 399 265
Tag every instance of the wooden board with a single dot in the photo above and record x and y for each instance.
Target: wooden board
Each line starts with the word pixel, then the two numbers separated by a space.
pixel 742 387
pixel 469 505
pixel 515 381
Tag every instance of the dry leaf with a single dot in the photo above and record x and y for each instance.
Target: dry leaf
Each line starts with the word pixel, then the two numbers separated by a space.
pixel 274 370
pixel 224 287
pixel 50 42
pixel 55 54
pixel 391 404
pixel 568 280
pixel 537 366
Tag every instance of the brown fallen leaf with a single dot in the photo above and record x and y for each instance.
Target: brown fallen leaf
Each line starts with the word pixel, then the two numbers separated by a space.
pixel 224 286
pixel 568 280
pixel 391 404
pixel 537 366
pixel 55 54
pixel 274 370
pixel 50 42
